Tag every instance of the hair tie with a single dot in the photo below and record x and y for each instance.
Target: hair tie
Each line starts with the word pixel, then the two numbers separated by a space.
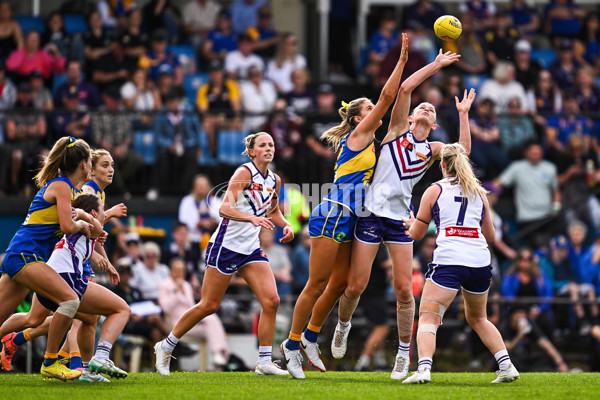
pixel 345 105
pixel 72 141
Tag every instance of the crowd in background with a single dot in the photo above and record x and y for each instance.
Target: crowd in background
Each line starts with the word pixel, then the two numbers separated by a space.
pixel 125 81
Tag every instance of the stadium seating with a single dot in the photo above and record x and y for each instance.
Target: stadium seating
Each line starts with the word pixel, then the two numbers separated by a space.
pixel 191 84
pixel 29 23
pixel 75 23
pixel 144 143
pixel 206 158
pixel 186 55
pixel 544 56
pixel 475 81
pixel 230 146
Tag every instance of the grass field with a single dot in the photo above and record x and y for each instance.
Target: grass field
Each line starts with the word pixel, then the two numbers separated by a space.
pixel 317 386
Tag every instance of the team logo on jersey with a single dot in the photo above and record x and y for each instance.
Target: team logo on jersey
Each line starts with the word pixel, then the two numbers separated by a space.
pixel 407 144
pixel 262 253
pixel 340 236
pixel 462 232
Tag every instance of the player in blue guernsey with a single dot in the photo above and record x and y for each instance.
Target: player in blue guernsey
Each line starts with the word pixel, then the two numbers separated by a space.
pixel 332 223
pixel 50 215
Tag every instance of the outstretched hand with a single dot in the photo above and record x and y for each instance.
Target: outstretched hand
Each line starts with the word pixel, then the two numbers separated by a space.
pixel 404 51
pixel 447 58
pixel 465 104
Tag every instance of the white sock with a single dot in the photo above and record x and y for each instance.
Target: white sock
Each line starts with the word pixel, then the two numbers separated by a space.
pixel 264 354
pixel 85 366
pixel 103 350
pixel 503 359
pixel 170 342
pixel 404 349
pixel 343 326
pixel 425 363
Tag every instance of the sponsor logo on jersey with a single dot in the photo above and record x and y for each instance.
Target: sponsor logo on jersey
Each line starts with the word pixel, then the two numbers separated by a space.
pixel 462 232
pixel 423 157
pixel 407 144
pixel 340 236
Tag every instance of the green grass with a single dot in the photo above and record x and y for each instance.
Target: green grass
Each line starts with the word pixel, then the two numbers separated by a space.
pixel 317 386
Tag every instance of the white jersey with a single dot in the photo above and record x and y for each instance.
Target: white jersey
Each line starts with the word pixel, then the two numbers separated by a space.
pixel 401 164
pixel 458 221
pixel 71 252
pixel 242 237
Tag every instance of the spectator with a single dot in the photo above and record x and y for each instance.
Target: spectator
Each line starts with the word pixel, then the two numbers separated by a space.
pixel 89 98
pixel 577 232
pixel 181 248
pixel 199 18
pixel 300 100
pixel 162 15
pixel 525 279
pixel 42 98
pixel 502 251
pixel 8 91
pixel 380 43
pixel 133 247
pixel 149 326
pixel 113 12
pixel 433 96
pixel 175 298
pixel 12 37
pixel 500 40
pixel 112 130
pixel 199 210
pixel 524 18
pixel 287 138
pixel 287 59
pixel 25 130
pixel 527 69
pixel 97 43
pixel 55 33
pixel 239 62
pixel 536 193
pixel 565 67
pixel 279 261
pixel 244 14
pixel 563 18
pixel 502 87
pixel 133 40
pixel 415 62
pixel 516 129
pixel 589 41
pixel 24 60
pixel 218 100
pixel 422 14
pixel 577 174
pixel 220 40
pixel 265 37
pixel 83 7
pixel 563 125
pixel 481 11
pixel 425 254
pixel 544 98
pixel 73 121
pixel 487 153
pixel 112 69
pixel 258 99
pixel 148 274
pixel 473 59
pixel 587 93
pixel 139 93
pixel 299 261
pixel 520 335
pixel 159 59
pixel 165 84
pixel 177 130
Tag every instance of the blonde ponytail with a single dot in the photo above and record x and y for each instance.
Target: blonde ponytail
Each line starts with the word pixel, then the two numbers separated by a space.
pixel 65 156
pixel 458 165
pixel 333 136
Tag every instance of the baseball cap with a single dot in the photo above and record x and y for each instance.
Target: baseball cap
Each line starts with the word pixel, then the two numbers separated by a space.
pixel 24 86
pixel 159 35
pixel 523 45
pixel 132 237
pixel 264 11
pixel 215 65
pixel 565 44
pixel 559 242
pixel 36 74
pixel 325 88
pixel 124 264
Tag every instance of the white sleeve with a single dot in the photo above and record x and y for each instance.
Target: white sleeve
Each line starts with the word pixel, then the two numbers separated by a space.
pixel 128 90
pixel 188 213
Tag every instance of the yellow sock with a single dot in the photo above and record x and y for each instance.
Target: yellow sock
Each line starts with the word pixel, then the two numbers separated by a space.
pixel 27 335
pixel 314 328
pixel 63 354
pixel 52 356
pixel 295 336
pixel 74 354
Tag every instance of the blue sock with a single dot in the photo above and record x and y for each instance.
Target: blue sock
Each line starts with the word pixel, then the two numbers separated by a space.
pixel 75 362
pixel 49 361
pixel 311 336
pixel 19 339
pixel 293 343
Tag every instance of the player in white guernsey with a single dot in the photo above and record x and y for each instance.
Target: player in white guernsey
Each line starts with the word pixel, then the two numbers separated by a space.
pixel 461 260
pixel 404 158
pixel 250 204
pixel 68 258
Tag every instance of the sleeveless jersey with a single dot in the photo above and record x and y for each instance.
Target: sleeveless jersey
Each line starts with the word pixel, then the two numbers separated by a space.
pixel 458 220
pixel 41 229
pixel 402 163
pixel 242 237
pixel 95 189
pixel 71 252
pixel 353 173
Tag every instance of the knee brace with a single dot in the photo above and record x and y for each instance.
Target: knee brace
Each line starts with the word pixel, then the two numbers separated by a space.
pixel 431 307
pixel 430 328
pixel 68 308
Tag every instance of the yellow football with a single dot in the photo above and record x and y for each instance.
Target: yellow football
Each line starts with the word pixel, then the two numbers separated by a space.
pixel 447 27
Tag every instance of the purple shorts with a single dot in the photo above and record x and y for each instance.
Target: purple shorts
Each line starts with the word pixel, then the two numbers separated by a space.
pixel 75 281
pixel 453 277
pixel 229 262
pixel 373 229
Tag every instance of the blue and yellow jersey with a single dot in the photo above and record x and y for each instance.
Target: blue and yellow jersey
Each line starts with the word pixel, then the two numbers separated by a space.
pixel 95 189
pixel 41 229
pixel 353 173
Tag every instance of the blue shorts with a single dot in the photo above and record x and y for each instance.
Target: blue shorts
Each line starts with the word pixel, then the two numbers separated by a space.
pixel 14 263
pixel 229 262
pixel 332 220
pixel 88 272
pixel 75 281
pixel 374 229
pixel 453 277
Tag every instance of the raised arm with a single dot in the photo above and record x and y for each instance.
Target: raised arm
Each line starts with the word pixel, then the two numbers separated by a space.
pixel 399 119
